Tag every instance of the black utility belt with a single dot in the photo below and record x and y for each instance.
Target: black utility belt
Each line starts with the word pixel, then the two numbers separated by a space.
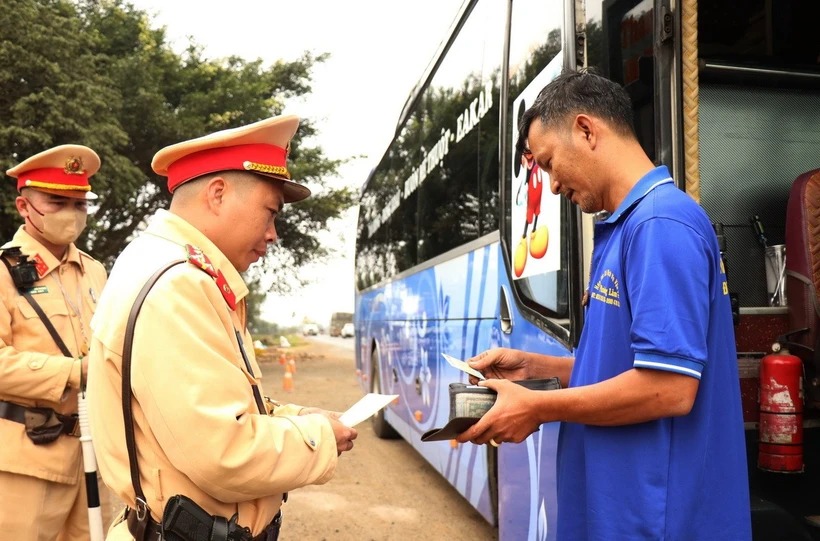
pixel 184 520
pixel 43 425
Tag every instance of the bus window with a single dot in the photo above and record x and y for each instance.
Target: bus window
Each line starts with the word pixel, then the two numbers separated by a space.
pixel 760 34
pixel 387 229
pixel 541 285
pixel 373 239
pixel 404 223
pixel 620 47
pixel 458 168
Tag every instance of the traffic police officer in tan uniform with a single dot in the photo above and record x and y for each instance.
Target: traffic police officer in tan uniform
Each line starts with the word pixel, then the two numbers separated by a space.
pixel 198 428
pixel 42 491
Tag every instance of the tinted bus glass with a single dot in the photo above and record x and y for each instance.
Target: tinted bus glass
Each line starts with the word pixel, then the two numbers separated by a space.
pixel 437 186
pixel 458 196
pixel 760 34
pixel 535 41
pixel 620 47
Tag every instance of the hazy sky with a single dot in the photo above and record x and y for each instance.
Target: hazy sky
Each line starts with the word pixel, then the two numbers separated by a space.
pixel 379 49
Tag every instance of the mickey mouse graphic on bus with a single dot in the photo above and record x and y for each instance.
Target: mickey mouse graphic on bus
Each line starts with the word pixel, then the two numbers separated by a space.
pixel 536 247
pixel 535 243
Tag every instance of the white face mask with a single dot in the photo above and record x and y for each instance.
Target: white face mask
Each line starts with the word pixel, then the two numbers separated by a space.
pixel 62 227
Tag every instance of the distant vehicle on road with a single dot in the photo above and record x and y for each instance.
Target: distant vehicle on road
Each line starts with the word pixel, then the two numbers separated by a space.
pixel 310 329
pixel 337 321
pixel 348 330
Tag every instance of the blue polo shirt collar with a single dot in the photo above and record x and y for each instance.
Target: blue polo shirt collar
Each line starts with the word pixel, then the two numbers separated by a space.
pixel 647 183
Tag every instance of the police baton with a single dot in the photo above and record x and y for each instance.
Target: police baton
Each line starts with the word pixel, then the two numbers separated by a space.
pixel 95 523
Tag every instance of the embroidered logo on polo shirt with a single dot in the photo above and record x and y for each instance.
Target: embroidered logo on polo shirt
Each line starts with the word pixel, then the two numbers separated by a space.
pixel 607 289
pixel 723 278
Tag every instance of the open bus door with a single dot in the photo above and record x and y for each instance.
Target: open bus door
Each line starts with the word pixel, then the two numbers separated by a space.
pixel 727 95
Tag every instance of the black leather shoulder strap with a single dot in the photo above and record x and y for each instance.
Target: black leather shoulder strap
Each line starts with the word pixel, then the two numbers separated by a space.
pixel 127 396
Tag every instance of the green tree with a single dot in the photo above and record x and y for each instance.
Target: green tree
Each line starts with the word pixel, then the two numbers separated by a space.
pixel 51 91
pixel 95 72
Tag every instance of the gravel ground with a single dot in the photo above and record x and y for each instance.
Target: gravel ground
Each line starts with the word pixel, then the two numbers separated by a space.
pixel 383 489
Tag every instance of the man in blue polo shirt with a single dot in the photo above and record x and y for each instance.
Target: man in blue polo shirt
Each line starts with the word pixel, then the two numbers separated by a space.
pixel 652 443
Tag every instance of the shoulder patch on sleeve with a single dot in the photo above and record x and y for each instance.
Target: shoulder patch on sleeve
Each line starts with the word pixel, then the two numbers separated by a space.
pixel 200 260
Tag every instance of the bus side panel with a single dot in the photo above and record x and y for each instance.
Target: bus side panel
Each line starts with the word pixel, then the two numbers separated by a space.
pixel 361 349
pixel 446 309
pixel 527 491
pixel 454 309
pixel 471 294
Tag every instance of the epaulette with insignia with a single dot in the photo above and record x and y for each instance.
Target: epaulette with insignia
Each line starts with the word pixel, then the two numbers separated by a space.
pixel 198 259
pixel 40 265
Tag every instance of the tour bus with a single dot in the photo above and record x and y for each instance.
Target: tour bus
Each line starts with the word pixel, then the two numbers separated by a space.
pixel 727 95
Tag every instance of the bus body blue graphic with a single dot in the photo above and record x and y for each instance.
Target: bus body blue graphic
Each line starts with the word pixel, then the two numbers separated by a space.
pixel 451 308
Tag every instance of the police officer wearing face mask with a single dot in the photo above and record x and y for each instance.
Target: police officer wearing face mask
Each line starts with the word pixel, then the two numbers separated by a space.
pixel 46 281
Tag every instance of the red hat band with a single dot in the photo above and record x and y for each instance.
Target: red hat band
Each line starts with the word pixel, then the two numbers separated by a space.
pixel 53 178
pixel 258 157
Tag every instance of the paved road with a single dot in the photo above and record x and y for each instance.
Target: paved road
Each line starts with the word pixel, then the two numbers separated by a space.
pixel 335 341
pixel 382 489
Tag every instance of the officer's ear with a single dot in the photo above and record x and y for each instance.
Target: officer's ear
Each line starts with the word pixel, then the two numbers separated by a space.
pixel 215 191
pixel 23 203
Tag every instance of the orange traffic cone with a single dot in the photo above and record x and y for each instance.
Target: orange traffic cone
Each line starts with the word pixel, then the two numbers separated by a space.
pixel 292 366
pixel 287 379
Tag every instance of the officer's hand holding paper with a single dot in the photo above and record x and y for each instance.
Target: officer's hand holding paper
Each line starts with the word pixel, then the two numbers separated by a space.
pixel 365 408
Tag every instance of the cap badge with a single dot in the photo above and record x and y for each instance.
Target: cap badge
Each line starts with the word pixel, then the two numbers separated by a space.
pixel 74 166
pixel 265 168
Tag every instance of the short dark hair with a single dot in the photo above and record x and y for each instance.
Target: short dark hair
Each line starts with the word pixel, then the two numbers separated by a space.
pixel 239 177
pixel 575 92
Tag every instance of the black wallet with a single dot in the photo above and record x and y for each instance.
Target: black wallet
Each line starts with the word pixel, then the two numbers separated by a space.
pixel 469 402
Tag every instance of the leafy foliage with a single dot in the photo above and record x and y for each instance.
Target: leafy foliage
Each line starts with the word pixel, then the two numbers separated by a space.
pixel 95 72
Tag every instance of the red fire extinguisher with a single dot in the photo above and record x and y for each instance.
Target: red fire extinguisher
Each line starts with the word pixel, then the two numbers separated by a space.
pixel 781 413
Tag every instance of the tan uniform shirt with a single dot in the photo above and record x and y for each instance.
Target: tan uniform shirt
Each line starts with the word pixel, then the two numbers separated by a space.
pixel 198 430
pixel 33 372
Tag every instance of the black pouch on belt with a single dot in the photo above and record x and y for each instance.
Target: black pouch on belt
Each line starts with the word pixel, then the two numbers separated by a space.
pixel 42 425
pixel 184 520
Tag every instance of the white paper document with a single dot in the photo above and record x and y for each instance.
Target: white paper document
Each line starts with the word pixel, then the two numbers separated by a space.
pixel 463 366
pixel 366 407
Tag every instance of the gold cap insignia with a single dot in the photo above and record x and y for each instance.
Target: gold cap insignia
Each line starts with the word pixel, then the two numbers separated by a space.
pixel 74 166
pixel 266 168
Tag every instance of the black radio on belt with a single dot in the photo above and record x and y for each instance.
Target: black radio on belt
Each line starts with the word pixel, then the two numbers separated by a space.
pixel 24 271
pixel 184 520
